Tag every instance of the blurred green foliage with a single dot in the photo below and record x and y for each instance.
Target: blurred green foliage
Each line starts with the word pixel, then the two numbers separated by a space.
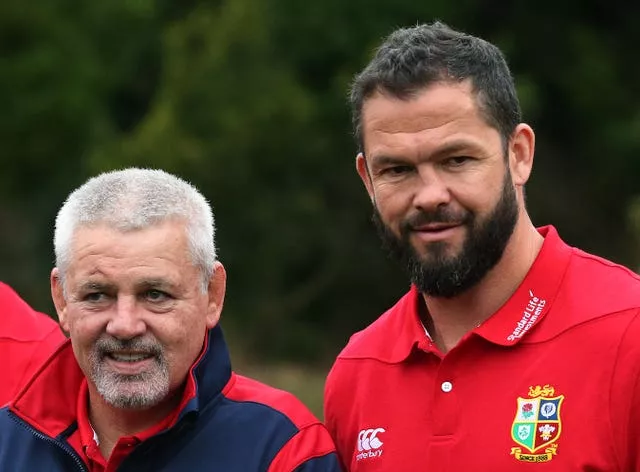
pixel 247 99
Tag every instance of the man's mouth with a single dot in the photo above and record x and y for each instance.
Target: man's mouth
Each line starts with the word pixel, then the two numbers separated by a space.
pixel 435 227
pixel 435 232
pixel 129 356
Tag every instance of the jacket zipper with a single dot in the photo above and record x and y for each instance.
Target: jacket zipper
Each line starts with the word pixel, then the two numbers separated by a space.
pixel 39 435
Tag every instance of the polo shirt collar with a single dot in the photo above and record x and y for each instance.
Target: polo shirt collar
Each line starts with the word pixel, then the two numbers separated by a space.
pixel 532 300
pixel 398 331
pixel 88 435
pixel 528 305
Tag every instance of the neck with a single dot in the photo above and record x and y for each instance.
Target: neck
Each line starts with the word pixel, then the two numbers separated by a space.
pixel 449 319
pixel 111 423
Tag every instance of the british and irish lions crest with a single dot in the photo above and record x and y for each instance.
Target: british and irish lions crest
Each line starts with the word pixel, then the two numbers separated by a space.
pixel 537 425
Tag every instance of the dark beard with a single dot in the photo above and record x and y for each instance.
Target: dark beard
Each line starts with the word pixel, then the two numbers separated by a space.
pixel 449 276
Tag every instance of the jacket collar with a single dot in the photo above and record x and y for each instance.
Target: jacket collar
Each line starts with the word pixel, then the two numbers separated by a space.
pixel 48 401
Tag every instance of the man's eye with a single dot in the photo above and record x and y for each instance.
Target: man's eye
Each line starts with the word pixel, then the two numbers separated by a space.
pixel 94 297
pixel 457 161
pixel 397 170
pixel 156 296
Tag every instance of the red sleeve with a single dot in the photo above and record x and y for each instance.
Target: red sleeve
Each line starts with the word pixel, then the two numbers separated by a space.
pixel 312 442
pixel 27 338
pixel 332 399
pixel 42 350
pixel 310 449
pixel 625 399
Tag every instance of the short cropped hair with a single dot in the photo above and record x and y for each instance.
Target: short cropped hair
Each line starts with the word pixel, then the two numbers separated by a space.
pixel 133 199
pixel 411 59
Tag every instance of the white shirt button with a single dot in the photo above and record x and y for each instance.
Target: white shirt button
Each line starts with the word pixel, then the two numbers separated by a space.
pixel 446 387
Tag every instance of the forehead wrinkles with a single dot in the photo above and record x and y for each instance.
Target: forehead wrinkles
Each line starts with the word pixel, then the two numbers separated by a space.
pixel 130 258
pixel 451 137
pixel 397 119
pixel 157 242
pixel 432 108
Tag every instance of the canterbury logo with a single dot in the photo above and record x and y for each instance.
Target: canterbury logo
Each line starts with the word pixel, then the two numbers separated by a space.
pixel 368 439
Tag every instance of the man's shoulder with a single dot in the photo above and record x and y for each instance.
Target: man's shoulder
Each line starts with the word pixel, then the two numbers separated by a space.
pixel 598 265
pixel 255 411
pixel 602 285
pixel 272 402
pixel 22 323
pixel 27 338
pixel 364 343
pixel 399 323
pixel 594 292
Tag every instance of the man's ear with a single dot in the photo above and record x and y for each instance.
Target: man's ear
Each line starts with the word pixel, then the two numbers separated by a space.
pixel 521 150
pixel 217 290
pixel 365 175
pixel 59 300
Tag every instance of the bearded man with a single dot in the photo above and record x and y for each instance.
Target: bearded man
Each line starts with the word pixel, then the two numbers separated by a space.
pixel 511 347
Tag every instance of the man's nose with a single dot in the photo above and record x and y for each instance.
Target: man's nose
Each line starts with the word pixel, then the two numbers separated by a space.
pixel 432 191
pixel 126 322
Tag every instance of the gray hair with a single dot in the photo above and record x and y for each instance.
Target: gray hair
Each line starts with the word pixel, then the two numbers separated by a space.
pixel 133 199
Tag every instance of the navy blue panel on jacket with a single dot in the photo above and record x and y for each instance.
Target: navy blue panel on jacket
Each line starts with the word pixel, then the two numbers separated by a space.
pixel 320 464
pixel 231 424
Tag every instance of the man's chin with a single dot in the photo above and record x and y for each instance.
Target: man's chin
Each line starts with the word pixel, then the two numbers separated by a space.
pixel 132 399
pixel 439 253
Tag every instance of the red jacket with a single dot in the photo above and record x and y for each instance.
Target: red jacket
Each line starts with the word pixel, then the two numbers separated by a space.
pixel 27 338
pixel 225 422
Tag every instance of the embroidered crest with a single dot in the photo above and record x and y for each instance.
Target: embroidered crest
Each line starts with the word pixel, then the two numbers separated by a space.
pixel 537 425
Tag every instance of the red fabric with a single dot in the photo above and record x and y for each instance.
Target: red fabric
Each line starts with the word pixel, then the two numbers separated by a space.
pixel 83 442
pixel 241 388
pixel 312 440
pixel 34 404
pixel 564 346
pixel 56 398
pixel 72 392
pixel 27 338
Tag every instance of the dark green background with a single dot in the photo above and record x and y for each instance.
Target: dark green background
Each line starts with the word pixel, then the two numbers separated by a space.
pixel 247 99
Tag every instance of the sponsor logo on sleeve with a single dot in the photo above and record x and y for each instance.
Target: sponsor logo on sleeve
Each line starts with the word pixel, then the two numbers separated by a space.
pixel 370 443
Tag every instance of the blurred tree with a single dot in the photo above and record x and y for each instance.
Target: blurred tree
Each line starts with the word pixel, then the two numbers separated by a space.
pixel 66 71
pixel 634 221
pixel 247 99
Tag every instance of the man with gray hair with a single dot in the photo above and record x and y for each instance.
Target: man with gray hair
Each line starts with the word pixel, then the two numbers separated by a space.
pixel 145 382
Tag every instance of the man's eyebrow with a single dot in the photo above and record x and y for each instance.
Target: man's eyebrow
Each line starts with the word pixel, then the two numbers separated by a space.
pixel 448 149
pixel 154 283
pixel 386 160
pixel 456 147
pixel 92 285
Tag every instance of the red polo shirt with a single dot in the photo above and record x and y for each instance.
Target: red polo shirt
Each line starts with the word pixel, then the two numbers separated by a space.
pixel 27 338
pixel 551 379
pixel 85 442
pixel 84 439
